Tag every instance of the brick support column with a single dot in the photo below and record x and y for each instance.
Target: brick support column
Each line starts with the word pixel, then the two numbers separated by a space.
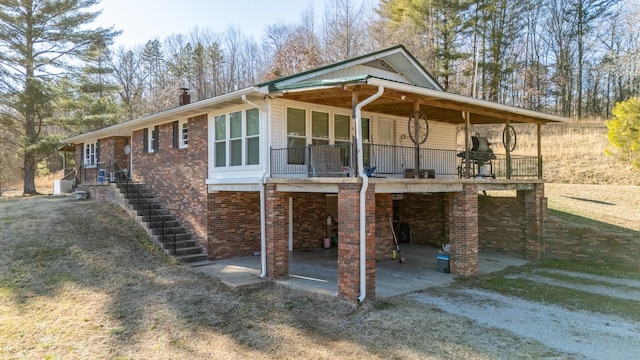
pixel 535 206
pixel 463 230
pixel 384 237
pixel 349 242
pixel 276 233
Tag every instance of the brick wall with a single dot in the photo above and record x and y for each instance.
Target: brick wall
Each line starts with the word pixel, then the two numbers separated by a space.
pixel 112 152
pixel 177 176
pixel 426 216
pixel 463 230
pixel 566 241
pixel 309 219
pixel 384 236
pixel 277 215
pixel 349 244
pixel 234 224
pixel 501 225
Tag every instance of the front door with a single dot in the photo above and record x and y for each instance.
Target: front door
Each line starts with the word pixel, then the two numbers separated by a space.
pixel 383 157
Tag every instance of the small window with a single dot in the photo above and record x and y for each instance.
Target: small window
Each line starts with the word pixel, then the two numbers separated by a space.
pixel 221 140
pixel 183 134
pixel 90 158
pixel 151 139
pixel 253 136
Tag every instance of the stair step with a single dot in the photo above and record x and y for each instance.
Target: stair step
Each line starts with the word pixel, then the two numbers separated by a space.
pixel 140 198
pixel 186 251
pixel 168 239
pixel 199 263
pixel 168 231
pixel 158 218
pixel 180 244
pixel 192 258
pixel 168 224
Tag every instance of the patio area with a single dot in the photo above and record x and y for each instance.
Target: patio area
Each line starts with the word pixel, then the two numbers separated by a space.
pixel 316 271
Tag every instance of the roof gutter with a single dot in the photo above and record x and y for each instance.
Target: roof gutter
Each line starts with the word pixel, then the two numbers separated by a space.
pixel 144 121
pixel 441 95
pixel 363 192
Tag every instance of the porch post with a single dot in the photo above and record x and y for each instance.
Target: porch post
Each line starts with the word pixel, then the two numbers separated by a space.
pixel 467 163
pixel 539 151
pixel 349 242
pixel 534 204
pixel 508 152
pixel 352 147
pixel 276 207
pixel 463 230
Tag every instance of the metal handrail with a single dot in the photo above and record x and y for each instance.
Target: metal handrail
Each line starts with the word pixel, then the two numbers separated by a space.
pixel 335 160
pixel 128 181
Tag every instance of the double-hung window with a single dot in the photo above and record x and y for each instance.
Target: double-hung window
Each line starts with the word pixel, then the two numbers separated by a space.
pixel 90 154
pixel 237 138
pixel 150 139
pixel 296 136
pixel 180 134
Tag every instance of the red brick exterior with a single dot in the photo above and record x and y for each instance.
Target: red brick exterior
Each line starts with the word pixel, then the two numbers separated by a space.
pixel 234 224
pixel 567 241
pixel 514 225
pixel 501 225
pixel 426 215
pixel 384 237
pixel 112 153
pixel 463 230
pixel 349 244
pixel 177 176
pixel 277 233
pixel 535 207
pixel 309 219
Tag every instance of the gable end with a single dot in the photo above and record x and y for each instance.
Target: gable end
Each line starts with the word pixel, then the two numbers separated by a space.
pixel 382 65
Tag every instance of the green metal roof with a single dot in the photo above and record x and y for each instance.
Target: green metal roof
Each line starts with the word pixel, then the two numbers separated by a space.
pixel 401 48
pixel 275 87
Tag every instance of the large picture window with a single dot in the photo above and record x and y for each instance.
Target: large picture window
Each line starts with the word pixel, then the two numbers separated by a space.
pixel 237 138
pixel 316 131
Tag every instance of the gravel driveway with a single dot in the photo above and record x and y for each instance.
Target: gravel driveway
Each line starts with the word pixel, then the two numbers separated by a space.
pixel 576 333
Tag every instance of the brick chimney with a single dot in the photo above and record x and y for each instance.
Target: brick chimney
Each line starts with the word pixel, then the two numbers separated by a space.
pixel 184 98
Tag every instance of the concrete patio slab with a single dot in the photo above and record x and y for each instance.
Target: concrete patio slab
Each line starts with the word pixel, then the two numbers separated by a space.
pixel 317 271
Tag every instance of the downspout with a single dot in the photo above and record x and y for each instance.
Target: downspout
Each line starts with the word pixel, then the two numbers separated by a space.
pixel 263 221
pixel 363 191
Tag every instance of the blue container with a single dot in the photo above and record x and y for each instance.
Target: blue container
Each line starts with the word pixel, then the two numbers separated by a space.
pixel 102 175
pixel 443 263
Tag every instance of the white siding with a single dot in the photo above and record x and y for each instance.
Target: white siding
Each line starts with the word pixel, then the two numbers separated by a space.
pixel 363 70
pixel 246 174
pixel 442 138
pixel 278 138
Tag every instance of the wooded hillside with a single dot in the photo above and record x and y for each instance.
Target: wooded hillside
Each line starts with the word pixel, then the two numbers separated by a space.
pixel 575 58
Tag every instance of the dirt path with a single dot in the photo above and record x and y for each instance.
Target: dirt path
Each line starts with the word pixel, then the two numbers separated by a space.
pixel 579 333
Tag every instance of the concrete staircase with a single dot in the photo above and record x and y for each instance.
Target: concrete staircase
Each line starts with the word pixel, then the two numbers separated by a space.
pixel 163 228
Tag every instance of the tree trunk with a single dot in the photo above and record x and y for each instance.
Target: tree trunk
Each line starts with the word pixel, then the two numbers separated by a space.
pixel 29 171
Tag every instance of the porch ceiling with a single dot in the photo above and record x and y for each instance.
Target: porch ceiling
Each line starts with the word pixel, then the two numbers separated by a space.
pixel 437 105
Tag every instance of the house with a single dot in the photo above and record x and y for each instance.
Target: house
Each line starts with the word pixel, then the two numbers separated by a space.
pixel 367 141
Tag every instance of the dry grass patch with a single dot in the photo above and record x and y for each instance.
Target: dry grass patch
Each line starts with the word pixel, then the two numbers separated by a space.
pixel 78 280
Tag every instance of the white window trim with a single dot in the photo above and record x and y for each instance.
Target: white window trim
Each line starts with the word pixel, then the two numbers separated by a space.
pixel 90 155
pixel 227 140
pixel 182 126
pixel 309 124
pixel 151 136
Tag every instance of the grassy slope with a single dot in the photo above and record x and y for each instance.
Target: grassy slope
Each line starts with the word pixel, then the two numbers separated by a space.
pixel 78 283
